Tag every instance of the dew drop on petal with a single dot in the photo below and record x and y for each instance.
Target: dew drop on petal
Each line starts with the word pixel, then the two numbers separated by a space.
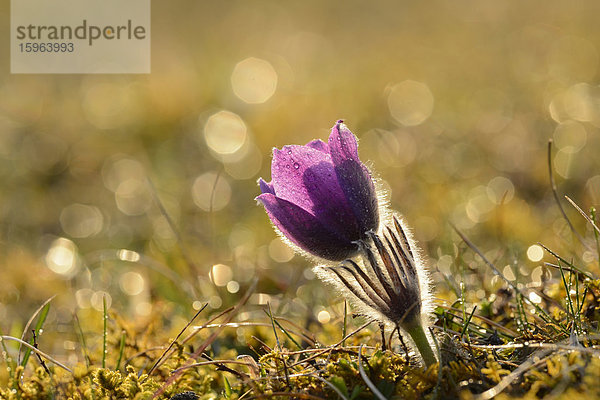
pixel 296 165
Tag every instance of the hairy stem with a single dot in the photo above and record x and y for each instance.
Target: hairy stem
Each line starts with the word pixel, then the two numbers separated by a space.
pixel 416 332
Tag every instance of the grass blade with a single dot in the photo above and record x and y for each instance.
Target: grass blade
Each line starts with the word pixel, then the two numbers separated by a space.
pixel 274 320
pixel 279 348
pixel 466 324
pixel 38 351
pixel 227 388
pixel 81 339
pixel 365 378
pixel 104 333
pixel 596 231
pixel 543 314
pixel 26 329
pixel 36 332
pixel 121 349
pixel 588 219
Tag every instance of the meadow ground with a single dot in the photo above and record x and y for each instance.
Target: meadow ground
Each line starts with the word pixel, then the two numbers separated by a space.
pixel 131 243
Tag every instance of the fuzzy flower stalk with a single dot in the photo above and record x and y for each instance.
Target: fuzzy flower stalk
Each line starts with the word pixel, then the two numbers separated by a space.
pixel 323 201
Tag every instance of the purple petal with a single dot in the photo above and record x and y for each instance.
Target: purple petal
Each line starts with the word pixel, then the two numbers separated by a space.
pixel 307 178
pixel 354 178
pixel 343 143
pixel 318 144
pixel 265 187
pixel 305 230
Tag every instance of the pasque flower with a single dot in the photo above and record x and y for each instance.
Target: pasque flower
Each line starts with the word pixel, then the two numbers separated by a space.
pixel 321 196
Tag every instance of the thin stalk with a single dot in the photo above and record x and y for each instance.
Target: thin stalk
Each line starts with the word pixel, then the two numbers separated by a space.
pixel 345 323
pixel 416 332
pixel 593 218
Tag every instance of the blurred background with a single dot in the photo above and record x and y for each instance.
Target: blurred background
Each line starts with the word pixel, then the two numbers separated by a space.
pixel 453 103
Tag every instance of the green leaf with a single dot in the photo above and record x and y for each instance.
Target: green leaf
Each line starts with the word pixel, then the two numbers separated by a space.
pixel 339 383
pixel 358 389
pixel 227 388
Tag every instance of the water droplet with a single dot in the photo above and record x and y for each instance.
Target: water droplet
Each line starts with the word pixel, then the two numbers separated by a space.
pixel 290 152
pixel 287 166
pixel 296 165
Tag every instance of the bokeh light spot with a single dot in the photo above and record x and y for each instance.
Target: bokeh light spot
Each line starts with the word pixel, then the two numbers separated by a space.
pixel 233 287
pixel 254 80
pixel 196 305
pixel 133 197
pixel 444 264
pixel 500 190
pixel 62 257
pixel 580 102
pixel 83 298
pixel 97 300
pixel 535 253
pixel 562 162
pixel 479 205
pixel 211 192
pixel 114 172
pixel 592 186
pixel 410 102
pixel 221 274
pixel 508 273
pixel 246 167
pixel 132 283
pixel 81 221
pixel 215 302
pixel 570 136
pixel 535 298
pixel 324 316
pixel 279 251
pixel 536 275
pixel 225 132
pixel 128 255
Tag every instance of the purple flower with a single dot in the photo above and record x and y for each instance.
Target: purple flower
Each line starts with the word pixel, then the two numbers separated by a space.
pixel 322 197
